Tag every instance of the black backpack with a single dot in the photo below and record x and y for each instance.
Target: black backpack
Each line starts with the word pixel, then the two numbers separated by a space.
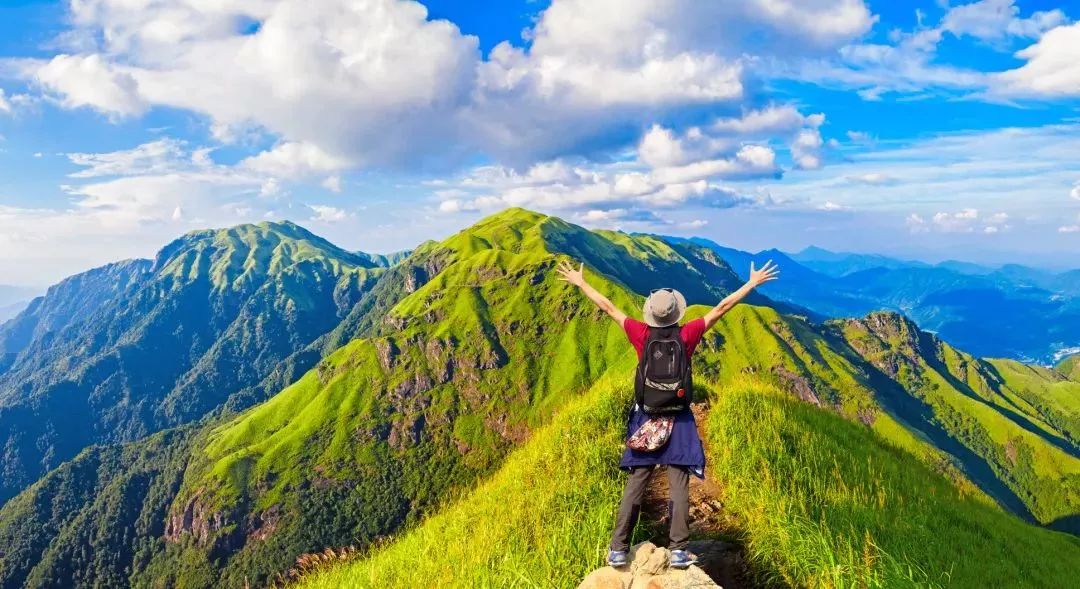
pixel 663 383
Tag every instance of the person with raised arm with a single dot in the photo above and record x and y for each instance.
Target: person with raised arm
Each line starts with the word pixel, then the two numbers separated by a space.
pixel 661 428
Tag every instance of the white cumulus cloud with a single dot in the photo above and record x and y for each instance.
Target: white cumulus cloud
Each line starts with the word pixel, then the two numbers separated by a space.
pixel 994 20
pixel 294 160
pixel 329 214
pixel 1052 68
pixel 91 81
pixel 376 82
pixel 155 157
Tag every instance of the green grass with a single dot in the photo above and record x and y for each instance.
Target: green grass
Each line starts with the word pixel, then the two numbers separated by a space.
pixel 541 521
pixel 1070 367
pixel 1048 384
pixel 1004 412
pixel 824 503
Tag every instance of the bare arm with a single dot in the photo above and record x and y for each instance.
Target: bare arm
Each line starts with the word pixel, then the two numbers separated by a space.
pixel 767 272
pixel 577 278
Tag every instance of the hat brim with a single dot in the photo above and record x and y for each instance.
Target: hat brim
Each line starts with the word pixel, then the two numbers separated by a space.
pixel 667 320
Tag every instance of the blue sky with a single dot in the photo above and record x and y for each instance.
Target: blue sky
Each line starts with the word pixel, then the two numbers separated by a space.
pixel 922 129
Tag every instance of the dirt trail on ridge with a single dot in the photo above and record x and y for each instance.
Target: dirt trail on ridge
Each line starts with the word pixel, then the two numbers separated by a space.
pixel 714 533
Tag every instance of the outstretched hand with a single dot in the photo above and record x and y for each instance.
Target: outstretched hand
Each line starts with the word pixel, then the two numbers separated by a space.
pixel 569 274
pixel 769 271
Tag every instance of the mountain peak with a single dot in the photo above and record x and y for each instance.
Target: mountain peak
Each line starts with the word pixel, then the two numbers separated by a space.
pixel 515 215
pixel 513 229
pixel 1070 366
pixel 813 250
pixel 269 245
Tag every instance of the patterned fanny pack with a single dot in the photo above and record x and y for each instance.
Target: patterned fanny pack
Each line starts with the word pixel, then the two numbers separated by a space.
pixel 652 435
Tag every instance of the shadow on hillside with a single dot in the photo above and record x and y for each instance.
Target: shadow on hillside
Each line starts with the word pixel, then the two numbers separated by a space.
pixel 1064 444
pixel 918 416
pixel 1069 524
pixel 1021 420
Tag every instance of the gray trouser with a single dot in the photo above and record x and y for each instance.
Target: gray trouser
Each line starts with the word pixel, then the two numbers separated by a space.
pixel 678 507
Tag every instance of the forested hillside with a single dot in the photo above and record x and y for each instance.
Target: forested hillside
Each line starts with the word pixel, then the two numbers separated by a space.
pixel 122 351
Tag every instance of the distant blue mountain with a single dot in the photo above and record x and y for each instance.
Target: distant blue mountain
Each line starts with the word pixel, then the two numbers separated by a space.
pixel 843 263
pixel 10 295
pixel 13 299
pixel 11 310
pixel 801 285
pixel 1012 311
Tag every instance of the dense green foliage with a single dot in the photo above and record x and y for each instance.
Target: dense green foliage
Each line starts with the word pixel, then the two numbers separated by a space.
pixel 89 522
pixel 470 348
pixel 128 349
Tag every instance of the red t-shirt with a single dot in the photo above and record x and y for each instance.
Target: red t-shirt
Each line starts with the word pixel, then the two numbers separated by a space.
pixel 637 332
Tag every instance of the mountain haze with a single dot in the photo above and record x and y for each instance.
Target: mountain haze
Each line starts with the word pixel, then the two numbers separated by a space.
pixel 1012 311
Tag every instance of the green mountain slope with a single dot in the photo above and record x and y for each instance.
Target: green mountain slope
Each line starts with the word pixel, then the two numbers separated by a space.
pixel 991 409
pixel 821 501
pixel 95 518
pixel 1070 367
pixel 121 351
pixel 456 356
pixel 483 347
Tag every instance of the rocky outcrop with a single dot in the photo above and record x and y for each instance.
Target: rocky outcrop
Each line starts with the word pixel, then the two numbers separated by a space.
pixel 649 568
pixel 206 524
pixel 797 385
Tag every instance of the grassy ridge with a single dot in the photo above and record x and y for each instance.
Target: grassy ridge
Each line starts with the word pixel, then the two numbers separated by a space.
pixel 1048 397
pixel 467 350
pixel 541 521
pixel 825 503
pixel 1070 367
pixel 1009 446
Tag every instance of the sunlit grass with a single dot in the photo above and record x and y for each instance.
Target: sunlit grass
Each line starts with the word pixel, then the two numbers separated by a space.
pixel 541 521
pixel 826 503
pixel 822 501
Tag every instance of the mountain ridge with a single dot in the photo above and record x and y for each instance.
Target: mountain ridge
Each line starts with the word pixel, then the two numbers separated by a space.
pixel 132 347
pixel 1011 311
pixel 457 356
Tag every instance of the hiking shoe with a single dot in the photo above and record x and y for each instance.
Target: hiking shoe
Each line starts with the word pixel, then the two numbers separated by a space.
pixel 616 558
pixel 681 559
